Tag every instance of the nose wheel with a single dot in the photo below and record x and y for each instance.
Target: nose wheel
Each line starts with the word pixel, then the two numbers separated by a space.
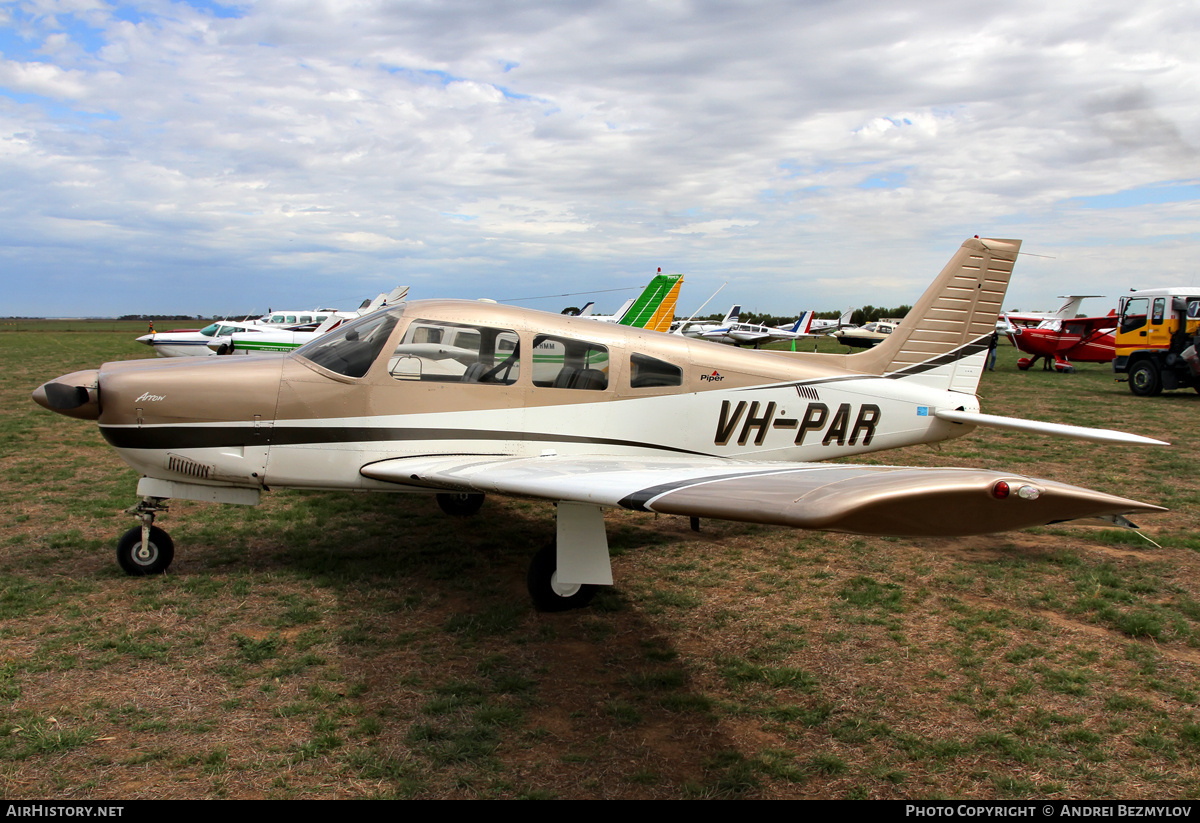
pixel 140 557
pixel 145 549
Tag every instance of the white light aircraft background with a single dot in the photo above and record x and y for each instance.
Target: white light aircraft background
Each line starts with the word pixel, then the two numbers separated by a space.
pixel 199 157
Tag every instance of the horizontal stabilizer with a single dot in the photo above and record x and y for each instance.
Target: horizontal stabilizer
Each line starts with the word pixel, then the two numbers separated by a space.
pixel 1038 427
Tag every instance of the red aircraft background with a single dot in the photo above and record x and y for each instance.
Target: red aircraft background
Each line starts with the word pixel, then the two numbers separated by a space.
pixel 1059 341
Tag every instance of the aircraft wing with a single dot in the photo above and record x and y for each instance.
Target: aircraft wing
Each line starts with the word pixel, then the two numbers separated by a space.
pixel 1091 325
pixel 873 500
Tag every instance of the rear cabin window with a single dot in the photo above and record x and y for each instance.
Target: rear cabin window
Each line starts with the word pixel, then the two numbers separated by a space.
pixel 562 363
pixel 649 372
pixel 443 352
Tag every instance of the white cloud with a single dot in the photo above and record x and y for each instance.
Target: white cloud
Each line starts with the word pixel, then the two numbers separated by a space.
pixel 783 143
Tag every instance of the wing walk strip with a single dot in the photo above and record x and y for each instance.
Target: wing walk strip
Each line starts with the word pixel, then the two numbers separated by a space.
pixel 642 500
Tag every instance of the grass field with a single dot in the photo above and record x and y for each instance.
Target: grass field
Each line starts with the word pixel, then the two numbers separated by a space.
pixel 329 645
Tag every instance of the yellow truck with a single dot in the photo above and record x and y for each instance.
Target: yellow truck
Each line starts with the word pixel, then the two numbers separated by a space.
pixel 1156 340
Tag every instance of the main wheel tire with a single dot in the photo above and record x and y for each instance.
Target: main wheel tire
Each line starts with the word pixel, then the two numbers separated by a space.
pixel 153 559
pixel 1144 380
pixel 548 594
pixel 460 505
pixel 1024 363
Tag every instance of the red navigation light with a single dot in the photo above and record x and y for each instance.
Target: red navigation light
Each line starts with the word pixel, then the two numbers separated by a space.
pixel 1000 490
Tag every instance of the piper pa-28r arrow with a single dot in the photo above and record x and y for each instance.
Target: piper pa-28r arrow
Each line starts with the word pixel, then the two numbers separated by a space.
pixel 590 416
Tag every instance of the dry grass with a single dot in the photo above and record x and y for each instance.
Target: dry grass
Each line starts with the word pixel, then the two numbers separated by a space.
pixel 333 645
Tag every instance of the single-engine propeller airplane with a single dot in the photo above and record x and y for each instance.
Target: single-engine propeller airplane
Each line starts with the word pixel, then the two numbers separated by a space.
pixel 1058 342
pixel 589 415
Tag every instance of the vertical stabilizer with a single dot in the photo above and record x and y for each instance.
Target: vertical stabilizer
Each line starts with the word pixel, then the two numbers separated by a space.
pixel 654 309
pixel 803 323
pixel 943 341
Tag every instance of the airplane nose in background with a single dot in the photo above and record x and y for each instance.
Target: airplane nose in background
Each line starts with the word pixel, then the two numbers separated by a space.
pixel 75 395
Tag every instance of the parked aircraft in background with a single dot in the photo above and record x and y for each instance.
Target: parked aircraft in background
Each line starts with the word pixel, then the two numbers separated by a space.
pixel 696 328
pixel 1058 342
pixel 819 326
pixel 872 334
pixel 269 340
pixel 653 309
pixel 451 398
pixel 756 333
pixel 187 343
pixel 1031 319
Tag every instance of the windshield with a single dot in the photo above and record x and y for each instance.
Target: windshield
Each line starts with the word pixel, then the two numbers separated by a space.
pixel 351 349
pixel 209 331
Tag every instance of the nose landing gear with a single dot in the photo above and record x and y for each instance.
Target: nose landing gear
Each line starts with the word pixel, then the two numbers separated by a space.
pixel 145 549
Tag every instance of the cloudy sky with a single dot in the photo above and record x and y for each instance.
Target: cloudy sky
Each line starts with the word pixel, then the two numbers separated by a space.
pixel 198 157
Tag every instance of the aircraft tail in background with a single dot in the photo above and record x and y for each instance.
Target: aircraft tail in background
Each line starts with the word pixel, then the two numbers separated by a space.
pixel 654 309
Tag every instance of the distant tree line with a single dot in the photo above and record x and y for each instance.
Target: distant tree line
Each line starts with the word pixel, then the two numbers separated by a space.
pixel 869 314
pixel 157 317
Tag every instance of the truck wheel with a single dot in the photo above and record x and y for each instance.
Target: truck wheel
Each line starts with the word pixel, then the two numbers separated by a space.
pixel 1144 380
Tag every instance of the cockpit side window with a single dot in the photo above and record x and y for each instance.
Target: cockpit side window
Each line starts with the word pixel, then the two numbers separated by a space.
pixel 352 348
pixel 562 363
pixel 444 352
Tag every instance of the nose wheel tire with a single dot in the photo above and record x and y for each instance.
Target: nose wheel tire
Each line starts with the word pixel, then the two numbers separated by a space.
pixel 153 558
pixel 548 592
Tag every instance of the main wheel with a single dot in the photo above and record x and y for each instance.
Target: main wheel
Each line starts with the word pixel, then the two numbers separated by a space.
pixel 548 594
pixel 460 505
pixel 1024 363
pixel 138 560
pixel 1144 380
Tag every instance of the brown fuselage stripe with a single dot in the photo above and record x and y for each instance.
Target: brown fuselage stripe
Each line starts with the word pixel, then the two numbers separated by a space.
pixel 211 437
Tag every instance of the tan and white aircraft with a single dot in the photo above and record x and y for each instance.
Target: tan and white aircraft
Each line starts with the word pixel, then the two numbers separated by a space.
pixel 462 398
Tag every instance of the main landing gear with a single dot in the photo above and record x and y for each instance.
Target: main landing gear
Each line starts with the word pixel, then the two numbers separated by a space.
pixel 145 549
pixel 548 592
pixel 566 573
pixel 1057 364
pixel 462 504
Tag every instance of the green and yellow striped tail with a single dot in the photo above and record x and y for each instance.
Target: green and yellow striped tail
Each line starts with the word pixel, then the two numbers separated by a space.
pixel 655 308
